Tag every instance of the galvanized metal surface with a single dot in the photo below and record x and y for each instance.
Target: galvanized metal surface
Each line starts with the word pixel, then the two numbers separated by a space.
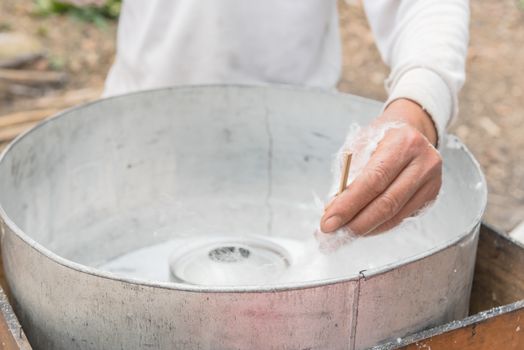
pixel 496 318
pixel 434 291
pixel 65 305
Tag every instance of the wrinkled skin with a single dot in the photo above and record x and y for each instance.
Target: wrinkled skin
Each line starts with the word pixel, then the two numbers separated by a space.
pixel 403 174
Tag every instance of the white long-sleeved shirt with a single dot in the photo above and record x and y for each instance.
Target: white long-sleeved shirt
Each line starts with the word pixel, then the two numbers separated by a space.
pixel 178 42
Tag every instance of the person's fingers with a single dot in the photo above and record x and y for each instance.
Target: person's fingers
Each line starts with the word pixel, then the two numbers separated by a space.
pixel 394 198
pixel 392 155
pixel 422 197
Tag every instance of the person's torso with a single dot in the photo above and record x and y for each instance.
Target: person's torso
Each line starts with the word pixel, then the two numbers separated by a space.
pixel 180 42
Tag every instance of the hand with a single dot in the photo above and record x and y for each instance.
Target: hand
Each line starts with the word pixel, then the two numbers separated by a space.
pixel 402 175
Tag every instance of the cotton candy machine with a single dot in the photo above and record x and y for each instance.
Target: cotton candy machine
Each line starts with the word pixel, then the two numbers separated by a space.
pixel 184 217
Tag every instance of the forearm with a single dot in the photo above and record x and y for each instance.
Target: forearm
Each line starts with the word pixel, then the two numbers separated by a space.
pixel 424 43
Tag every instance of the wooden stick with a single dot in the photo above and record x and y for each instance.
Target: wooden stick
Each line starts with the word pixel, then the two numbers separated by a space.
pixel 20 60
pixel 9 133
pixel 345 173
pixel 70 98
pixel 14 123
pixel 12 119
pixel 32 77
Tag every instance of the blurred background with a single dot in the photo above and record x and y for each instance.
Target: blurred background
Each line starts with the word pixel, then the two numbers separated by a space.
pixel 53 56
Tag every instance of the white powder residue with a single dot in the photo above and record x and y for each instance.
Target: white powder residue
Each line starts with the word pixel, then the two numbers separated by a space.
pixel 361 142
pixel 309 255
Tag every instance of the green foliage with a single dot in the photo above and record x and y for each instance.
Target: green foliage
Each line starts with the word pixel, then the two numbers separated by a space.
pixel 5 27
pixel 94 14
pixel 56 63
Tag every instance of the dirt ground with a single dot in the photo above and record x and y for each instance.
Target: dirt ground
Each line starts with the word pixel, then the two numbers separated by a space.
pixel 491 118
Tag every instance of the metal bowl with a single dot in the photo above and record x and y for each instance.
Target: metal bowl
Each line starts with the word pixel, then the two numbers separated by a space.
pixel 228 171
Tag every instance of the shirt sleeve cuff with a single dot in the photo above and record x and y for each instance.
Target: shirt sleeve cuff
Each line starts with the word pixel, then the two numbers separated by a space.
pixel 431 92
